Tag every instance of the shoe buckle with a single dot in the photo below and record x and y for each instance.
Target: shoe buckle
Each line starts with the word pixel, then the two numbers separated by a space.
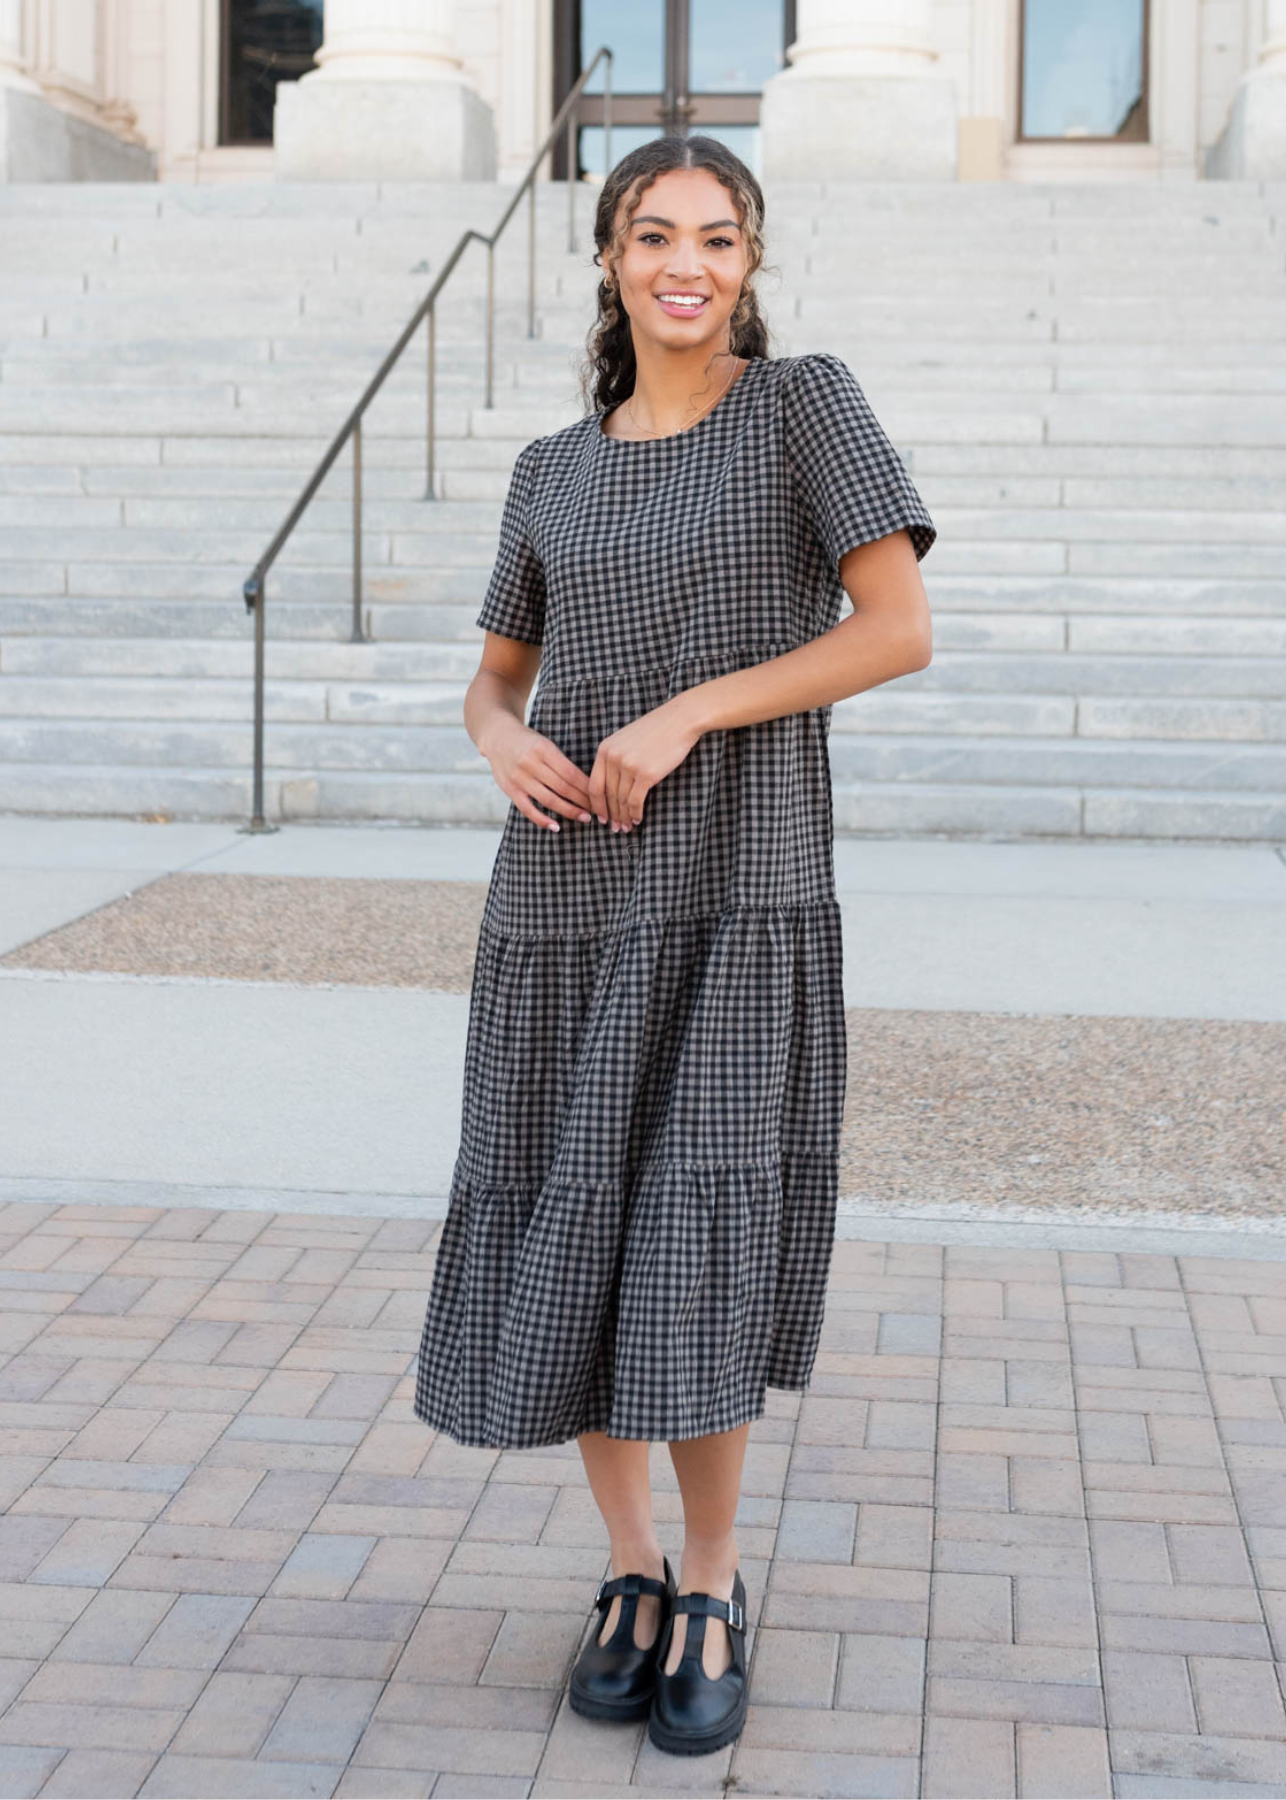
pixel 599 1595
pixel 736 1615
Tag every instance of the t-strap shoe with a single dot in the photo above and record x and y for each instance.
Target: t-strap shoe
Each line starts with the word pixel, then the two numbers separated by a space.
pixel 691 1711
pixel 615 1680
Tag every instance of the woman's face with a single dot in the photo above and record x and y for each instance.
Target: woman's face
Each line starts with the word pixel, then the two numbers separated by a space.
pixel 684 239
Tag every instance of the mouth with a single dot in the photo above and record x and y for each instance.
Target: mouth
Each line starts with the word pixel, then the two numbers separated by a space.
pixel 685 308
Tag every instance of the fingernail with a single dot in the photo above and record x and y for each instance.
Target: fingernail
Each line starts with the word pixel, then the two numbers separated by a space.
pixel 553 827
pixel 586 817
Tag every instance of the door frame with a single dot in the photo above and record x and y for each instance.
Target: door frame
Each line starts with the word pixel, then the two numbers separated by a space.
pixel 674 108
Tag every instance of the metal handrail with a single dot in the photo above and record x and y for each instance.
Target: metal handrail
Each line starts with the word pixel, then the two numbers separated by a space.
pixel 253 589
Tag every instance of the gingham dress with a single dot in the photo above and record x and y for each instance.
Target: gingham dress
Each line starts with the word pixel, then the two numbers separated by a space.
pixel 643 1203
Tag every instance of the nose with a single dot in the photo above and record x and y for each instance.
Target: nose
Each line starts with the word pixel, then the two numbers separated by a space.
pixel 684 266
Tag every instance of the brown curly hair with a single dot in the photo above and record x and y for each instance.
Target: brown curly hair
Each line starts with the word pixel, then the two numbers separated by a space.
pixel 608 372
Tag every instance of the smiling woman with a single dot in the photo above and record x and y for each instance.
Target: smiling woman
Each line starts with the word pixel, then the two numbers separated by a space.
pixel 643 1206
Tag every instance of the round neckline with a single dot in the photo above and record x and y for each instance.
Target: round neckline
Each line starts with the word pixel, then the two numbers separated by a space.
pixel 675 437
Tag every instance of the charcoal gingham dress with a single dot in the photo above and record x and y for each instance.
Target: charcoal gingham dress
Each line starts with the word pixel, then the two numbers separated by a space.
pixel 643 1203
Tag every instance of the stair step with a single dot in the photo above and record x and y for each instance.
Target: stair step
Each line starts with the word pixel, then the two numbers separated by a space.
pixel 1006 648
pixel 895 708
pixel 897 809
pixel 855 757
pixel 399 558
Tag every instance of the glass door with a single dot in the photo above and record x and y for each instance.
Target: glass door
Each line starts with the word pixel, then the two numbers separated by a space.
pixel 679 65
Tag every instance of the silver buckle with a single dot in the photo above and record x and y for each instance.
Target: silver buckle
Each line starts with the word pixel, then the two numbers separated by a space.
pixel 599 1595
pixel 736 1615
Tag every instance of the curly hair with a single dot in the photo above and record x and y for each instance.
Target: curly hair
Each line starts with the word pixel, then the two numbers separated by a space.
pixel 608 372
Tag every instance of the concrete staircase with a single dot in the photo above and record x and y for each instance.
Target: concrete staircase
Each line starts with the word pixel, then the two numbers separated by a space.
pixel 1088 384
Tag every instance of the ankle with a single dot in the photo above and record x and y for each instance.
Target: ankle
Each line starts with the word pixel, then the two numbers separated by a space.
pixel 638 1556
pixel 710 1564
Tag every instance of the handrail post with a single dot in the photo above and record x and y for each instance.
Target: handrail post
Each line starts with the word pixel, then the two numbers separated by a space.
pixel 531 258
pixel 491 315
pixel 607 116
pixel 430 492
pixel 571 179
pixel 255 593
pixel 357 636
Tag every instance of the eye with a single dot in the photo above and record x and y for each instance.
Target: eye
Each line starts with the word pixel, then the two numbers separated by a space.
pixel 724 242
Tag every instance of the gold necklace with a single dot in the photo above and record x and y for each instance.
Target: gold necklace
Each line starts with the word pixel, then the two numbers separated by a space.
pixel 629 408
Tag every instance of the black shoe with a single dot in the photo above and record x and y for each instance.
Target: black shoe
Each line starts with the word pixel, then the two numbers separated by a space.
pixel 615 1680
pixel 691 1713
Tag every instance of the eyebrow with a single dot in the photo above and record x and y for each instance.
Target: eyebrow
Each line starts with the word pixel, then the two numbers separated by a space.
pixel 655 219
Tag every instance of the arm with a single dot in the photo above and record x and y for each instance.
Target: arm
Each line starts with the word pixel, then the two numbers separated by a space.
pixel 496 698
pixel 887 634
pixel 526 765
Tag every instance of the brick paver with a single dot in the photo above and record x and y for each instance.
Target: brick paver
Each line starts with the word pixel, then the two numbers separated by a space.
pixel 1024 1535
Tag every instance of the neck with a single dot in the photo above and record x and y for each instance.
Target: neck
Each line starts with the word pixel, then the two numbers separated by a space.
pixel 671 386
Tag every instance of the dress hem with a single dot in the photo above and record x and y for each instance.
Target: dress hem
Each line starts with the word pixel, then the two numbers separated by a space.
pixel 656 1436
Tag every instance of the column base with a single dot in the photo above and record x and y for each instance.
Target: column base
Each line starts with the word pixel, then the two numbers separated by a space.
pixel 857 128
pixel 41 142
pixel 382 131
pixel 1252 145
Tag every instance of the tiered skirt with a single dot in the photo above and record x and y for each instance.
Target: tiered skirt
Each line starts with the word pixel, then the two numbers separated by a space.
pixel 642 1208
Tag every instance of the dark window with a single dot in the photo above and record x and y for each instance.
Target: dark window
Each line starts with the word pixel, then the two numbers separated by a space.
pixel 264 42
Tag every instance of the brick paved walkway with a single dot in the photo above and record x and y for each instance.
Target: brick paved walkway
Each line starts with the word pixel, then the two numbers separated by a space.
pixel 1026 1534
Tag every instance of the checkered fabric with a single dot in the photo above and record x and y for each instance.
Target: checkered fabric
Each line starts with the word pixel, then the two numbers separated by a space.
pixel 643 1203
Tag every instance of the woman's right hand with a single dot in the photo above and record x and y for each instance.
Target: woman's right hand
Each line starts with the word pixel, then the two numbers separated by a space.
pixel 533 771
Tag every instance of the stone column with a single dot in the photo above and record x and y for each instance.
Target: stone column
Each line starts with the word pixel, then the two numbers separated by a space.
pixel 862 98
pixel 31 127
pixel 58 129
pixel 389 100
pixel 13 59
pixel 1253 145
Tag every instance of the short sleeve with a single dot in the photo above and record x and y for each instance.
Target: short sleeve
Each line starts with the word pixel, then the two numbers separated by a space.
pixel 851 480
pixel 514 604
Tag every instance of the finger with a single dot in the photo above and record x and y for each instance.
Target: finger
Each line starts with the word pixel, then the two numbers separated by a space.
pixel 526 807
pixel 614 794
pixel 573 780
pixel 556 792
pixel 598 789
pixel 634 803
pixel 549 796
pixel 624 788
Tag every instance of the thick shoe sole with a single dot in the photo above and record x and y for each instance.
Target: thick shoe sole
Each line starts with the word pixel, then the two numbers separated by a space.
pixel 621 1711
pixel 698 1743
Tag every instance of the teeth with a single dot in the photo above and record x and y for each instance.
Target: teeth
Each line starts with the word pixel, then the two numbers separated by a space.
pixel 682 300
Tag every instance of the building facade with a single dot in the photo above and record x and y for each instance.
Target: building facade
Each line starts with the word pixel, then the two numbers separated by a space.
pixel 997 90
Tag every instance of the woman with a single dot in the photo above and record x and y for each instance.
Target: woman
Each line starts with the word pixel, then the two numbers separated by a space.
pixel 643 1205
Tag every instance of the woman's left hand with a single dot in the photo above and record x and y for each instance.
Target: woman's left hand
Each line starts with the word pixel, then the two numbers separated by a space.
pixel 631 761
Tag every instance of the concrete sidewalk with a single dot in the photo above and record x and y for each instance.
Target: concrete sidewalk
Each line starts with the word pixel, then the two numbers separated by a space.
pixel 278 1021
